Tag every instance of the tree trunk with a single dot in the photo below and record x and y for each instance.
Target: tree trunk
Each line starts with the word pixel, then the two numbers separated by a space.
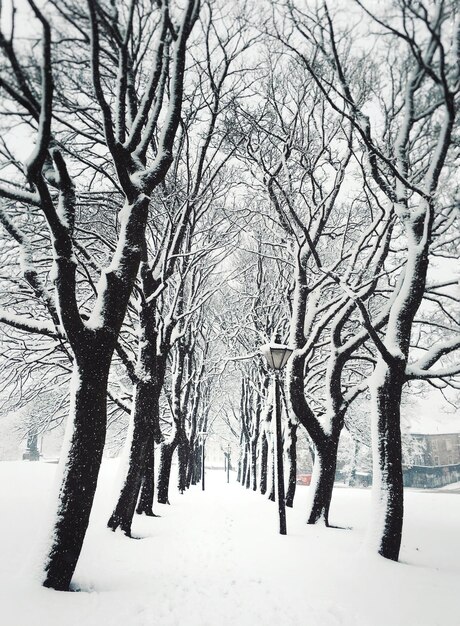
pixel 164 472
pixel 353 465
pixel 191 461
pixel 326 444
pixel 146 496
pixel 247 482
pixel 264 464
pixel 322 482
pixel 292 459
pixel 81 469
pixel 244 465
pixel 254 465
pixel 386 387
pixel 145 408
pixel 240 460
pixel 191 469
pixel 183 452
pixel 197 464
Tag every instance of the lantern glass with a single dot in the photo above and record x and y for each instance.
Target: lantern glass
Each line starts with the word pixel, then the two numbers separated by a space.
pixel 277 355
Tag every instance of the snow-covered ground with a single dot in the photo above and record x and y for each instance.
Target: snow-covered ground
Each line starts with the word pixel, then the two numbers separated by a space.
pixel 215 558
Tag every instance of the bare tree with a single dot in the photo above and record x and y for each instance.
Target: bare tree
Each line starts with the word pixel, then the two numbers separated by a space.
pixel 407 147
pixel 129 136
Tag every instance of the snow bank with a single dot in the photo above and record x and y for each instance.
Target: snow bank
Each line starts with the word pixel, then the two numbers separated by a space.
pixel 216 558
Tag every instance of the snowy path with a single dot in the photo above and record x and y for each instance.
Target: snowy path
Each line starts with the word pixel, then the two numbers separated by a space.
pixel 215 558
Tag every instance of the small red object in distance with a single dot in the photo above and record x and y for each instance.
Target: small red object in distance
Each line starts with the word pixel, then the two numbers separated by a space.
pixel 303 479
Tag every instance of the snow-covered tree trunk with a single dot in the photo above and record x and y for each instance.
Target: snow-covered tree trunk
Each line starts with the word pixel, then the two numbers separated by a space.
pixel 263 463
pixel 183 454
pixel 145 429
pixel 256 407
pixel 192 463
pixel 254 465
pixel 197 465
pixel 178 426
pixel 164 473
pixel 145 419
pixel 322 482
pixel 245 466
pixel 291 450
pixel 81 469
pixel 146 496
pixel 386 386
pixel 240 459
pixel 386 530
pixel 326 445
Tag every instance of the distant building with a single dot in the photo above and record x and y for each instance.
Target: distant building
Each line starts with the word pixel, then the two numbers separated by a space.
pixel 438 449
pixel 438 462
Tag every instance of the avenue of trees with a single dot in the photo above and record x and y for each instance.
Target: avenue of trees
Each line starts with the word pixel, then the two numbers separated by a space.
pixel 182 182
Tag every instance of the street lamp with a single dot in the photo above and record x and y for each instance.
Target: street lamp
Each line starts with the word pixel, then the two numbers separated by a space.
pixel 277 356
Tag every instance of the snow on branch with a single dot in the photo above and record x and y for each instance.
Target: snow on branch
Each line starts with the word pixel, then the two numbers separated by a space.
pixel 20 195
pixel 29 325
pixel 164 156
pixel 37 158
pixel 155 85
pixel 373 334
pixel 96 76
pixel 421 369
pixel 28 267
pixel 367 323
pixel 120 403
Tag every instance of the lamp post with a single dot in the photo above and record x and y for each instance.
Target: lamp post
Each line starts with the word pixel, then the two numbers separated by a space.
pixel 277 356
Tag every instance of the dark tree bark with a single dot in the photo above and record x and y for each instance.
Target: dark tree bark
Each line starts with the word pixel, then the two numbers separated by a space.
pixel 192 464
pixel 292 459
pixel 388 473
pixel 82 468
pixel 240 460
pixel 326 444
pixel 192 443
pixel 254 440
pixel 323 481
pixel 249 467
pixel 178 434
pixel 198 455
pixel 145 408
pixel 146 496
pixel 264 464
pixel 164 473
pixel 254 465
pixel 244 466
pixel 183 453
